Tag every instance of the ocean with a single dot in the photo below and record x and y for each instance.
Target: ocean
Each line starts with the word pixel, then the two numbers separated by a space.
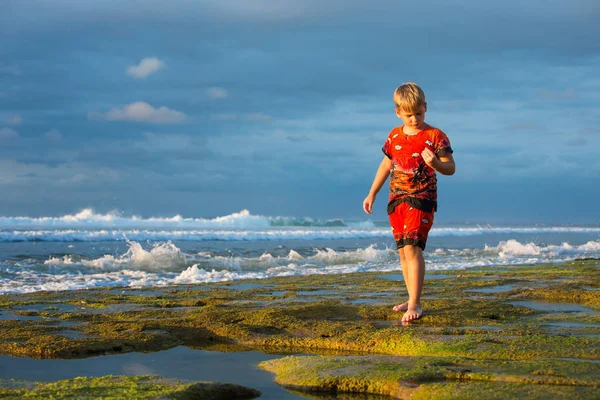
pixel 91 250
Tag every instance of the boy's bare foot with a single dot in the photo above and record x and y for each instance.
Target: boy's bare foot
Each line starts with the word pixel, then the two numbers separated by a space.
pixel 413 312
pixel 401 307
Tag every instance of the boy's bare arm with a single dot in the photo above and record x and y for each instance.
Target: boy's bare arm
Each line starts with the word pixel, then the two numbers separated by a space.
pixel 442 163
pixel 380 177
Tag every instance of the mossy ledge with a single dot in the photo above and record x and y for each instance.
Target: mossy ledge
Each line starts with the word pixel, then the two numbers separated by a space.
pixel 127 387
pixel 479 318
pixel 420 377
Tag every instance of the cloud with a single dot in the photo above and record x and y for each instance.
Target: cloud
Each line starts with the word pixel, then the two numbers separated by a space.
pixel 8 133
pixel 14 120
pixel 145 68
pixel 53 134
pixel 491 99
pixel 217 93
pixel 142 112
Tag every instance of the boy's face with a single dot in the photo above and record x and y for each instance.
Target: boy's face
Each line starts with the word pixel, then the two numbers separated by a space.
pixel 414 118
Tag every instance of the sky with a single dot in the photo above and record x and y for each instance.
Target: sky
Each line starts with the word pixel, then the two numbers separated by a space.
pixel 205 108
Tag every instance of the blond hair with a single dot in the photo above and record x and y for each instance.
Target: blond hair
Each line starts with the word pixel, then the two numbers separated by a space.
pixel 409 96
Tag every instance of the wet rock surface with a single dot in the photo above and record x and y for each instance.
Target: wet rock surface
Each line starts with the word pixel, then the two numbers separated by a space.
pixel 529 330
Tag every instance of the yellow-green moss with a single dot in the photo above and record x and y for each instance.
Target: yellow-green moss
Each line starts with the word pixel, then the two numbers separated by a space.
pixel 319 314
pixel 407 376
pixel 501 391
pixel 131 388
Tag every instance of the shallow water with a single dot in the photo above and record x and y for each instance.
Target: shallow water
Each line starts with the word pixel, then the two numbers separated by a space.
pixel 245 286
pixel 8 316
pixel 553 307
pixel 399 277
pixel 370 301
pixel 72 334
pixel 573 324
pixel 137 292
pixel 494 289
pixel 48 307
pixel 277 293
pixel 180 362
pixel 579 360
pixel 323 292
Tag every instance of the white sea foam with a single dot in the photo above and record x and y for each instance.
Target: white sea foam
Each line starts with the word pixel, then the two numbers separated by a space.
pixel 507 230
pixel 163 256
pixel 164 264
pixel 512 248
pixel 88 219
pixel 329 256
pixel 86 224
pixel 188 235
pixel 591 246
pixel 166 256
pixel 294 256
pixel 247 234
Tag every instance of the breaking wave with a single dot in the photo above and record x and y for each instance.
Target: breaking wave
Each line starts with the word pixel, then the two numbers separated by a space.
pixel 164 264
pixel 87 218
pixel 87 222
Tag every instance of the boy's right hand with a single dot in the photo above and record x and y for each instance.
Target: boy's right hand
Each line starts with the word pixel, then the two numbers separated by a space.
pixel 368 204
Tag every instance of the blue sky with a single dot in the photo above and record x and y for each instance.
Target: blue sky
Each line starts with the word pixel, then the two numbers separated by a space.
pixel 204 108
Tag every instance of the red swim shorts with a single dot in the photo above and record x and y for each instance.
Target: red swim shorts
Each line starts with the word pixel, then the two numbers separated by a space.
pixel 410 225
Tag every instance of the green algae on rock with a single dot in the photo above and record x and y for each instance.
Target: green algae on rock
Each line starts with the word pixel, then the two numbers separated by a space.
pixel 128 387
pixel 502 391
pixel 480 331
pixel 402 377
pixel 457 322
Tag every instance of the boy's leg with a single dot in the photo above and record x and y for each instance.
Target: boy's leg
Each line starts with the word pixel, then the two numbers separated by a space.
pixel 411 228
pixel 398 227
pixel 404 266
pixel 414 284
pixel 413 271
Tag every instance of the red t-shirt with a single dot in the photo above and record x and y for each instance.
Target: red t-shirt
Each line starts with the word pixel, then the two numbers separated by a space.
pixel 411 180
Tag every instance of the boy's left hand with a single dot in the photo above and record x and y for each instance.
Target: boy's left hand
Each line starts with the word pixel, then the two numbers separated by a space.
pixel 429 157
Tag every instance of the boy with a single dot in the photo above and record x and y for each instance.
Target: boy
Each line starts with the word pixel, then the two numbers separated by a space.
pixel 413 154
